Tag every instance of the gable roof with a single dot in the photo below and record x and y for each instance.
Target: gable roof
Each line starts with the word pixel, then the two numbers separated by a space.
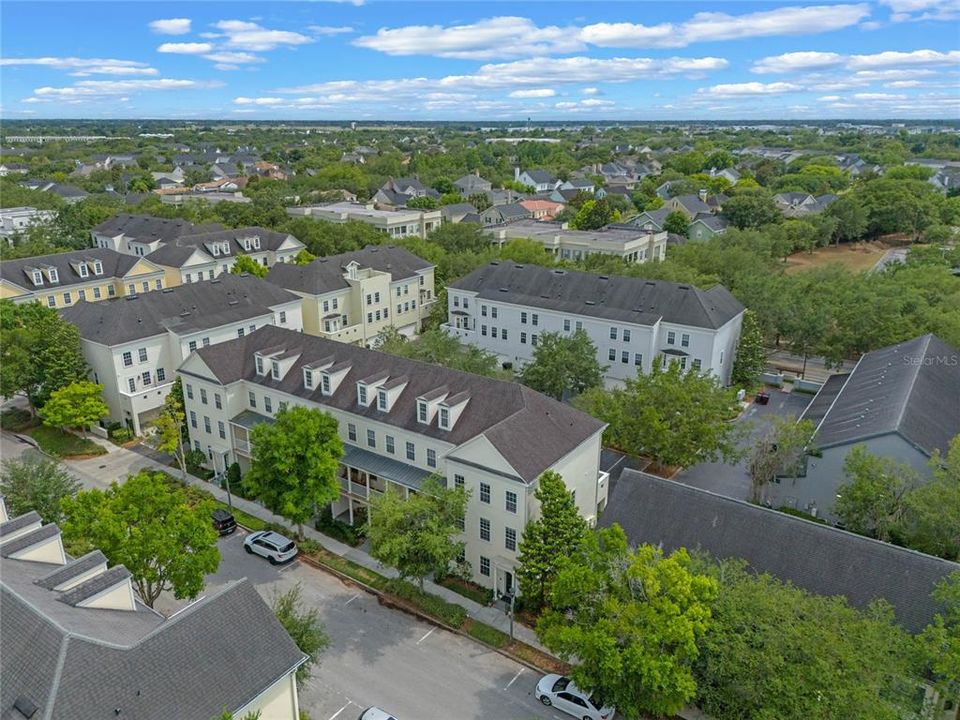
pixel 530 430
pixel 326 273
pixel 184 309
pixel 716 223
pixel 615 297
pixel 692 203
pixel 912 389
pixel 115 265
pixel 144 228
pixel 657 217
pixel 818 558
pixel 540 176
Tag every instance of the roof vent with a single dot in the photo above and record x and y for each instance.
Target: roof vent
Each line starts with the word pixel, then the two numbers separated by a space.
pixel 590 302
pixel 167 290
pixel 683 287
pixel 214 282
pixel 131 297
pixel 25 706
pixel 559 272
pixel 604 277
pixel 234 302
pixel 650 282
pixel 519 267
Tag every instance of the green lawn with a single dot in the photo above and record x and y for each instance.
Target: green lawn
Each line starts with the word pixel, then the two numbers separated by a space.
pixel 64 445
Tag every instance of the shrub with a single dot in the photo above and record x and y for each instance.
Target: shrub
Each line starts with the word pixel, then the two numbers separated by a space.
pixel 431 605
pixel 481 595
pixel 195 460
pixel 346 533
pixel 121 435
pixel 16 420
pixel 309 547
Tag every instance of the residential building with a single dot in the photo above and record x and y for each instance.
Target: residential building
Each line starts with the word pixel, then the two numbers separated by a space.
pixel 14 221
pixel 901 402
pixel 732 175
pixel 815 557
pixel 631 244
pixel 402 421
pixel 395 223
pixel 652 220
pixel 64 279
pixel 77 644
pixel 706 226
pixel 798 204
pixel 68 193
pixel 457 212
pixel 354 296
pixel 689 205
pixel 539 180
pixel 504 307
pixel 12 168
pixel 540 209
pixel 500 214
pixel 133 345
pixel 472 184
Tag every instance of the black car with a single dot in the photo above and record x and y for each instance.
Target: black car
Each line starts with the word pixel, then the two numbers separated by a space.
pixel 223 522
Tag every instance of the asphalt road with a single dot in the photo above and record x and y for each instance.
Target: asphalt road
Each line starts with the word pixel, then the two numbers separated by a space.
pixel 383 657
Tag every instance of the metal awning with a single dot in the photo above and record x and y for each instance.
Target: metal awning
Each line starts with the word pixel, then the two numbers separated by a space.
pixel 249 418
pixel 408 475
pixel 673 351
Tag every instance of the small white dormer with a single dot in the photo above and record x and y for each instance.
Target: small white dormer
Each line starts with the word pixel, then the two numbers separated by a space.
pixel 52 274
pixel 427 404
pixel 368 386
pixel 352 269
pixel 260 364
pixel 312 371
pixel 256 242
pixel 246 244
pixel 215 249
pixel 225 248
pixel 36 276
pixel 389 391
pixel 450 409
pixel 97 267
pixel 331 378
pixel 82 269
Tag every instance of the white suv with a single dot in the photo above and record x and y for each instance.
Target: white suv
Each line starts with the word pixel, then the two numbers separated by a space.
pixel 561 693
pixel 273 546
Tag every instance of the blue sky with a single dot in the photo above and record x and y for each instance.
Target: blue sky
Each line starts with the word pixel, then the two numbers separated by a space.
pixel 495 61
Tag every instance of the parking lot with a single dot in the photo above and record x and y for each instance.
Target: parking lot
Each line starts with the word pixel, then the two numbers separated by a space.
pixel 384 657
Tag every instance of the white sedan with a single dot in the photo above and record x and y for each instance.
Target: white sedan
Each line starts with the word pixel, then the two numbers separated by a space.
pixel 560 692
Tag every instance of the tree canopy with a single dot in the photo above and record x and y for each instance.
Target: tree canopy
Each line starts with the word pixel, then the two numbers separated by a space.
pixel 563 363
pixel 75 405
pixel 36 482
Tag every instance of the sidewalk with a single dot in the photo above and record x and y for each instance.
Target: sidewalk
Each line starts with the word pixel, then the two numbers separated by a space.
pixel 123 462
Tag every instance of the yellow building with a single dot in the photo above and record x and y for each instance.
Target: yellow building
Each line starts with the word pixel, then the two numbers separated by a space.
pixel 63 279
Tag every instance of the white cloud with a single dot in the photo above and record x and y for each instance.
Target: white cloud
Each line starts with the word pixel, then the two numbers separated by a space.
pixel 583 105
pixel 915 10
pixel 259 101
pixel 713 26
pixel 899 59
pixel 904 84
pixel 86 66
pixel 535 93
pixel 591 91
pixel 187 48
pixel 329 30
pixel 89 89
pixel 828 98
pixel 750 88
pixel 797 61
pixel 484 40
pixel 245 35
pixel 234 58
pixel 878 96
pixel 172 26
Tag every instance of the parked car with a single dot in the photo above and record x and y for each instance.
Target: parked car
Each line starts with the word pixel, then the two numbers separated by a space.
pixel 273 546
pixel 375 713
pixel 561 692
pixel 224 522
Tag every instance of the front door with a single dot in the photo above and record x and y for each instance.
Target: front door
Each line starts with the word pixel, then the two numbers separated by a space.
pixel 507 583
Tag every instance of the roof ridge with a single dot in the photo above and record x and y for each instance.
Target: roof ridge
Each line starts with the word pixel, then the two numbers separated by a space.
pixel 924 346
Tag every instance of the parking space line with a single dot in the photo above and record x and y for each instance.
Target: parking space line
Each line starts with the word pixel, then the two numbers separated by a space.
pixel 429 632
pixel 519 672
pixel 349 703
pixel 352 599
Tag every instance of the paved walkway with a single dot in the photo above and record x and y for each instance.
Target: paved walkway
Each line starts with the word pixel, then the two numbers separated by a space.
pixel 120 462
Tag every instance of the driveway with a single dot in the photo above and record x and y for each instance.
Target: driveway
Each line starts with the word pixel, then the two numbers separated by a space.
pixel 732 480
pixel 384 657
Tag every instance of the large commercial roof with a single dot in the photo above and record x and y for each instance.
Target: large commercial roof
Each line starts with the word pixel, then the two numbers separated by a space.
pixel 818 558
pixel 613 297
pixel 530 430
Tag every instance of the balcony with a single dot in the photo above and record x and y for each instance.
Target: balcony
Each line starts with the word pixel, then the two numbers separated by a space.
pixel 243 447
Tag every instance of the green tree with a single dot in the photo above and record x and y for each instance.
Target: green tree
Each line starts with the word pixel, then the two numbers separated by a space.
pixel 941 638
pixel 304 257
pixel 872 501
pixel 851 218
pixel 246 264
pixel 480 201
pixel 751 357
pixel 751 210
pixel 676 223
pixel 423 203
pixel 76 405
pixel 39 352
pixel 166 541
pixel 563 363
pixel 774 651
pixel 295 462
pixel 632 618
pixel 415 534
pixel 593 215
pixel 677 418
pixel 548 539
pixel 438 348
pixel 781 450
pixel 171 434
pixel 526 252
pixel 460 237
pixel 303 625
pixel 36 482
pixel 931 521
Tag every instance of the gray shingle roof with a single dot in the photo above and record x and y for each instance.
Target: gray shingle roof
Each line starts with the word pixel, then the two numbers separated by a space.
pixel 693 203
pixel 115 265
pixel 627 299
pixel 94 586
pixel 541 176
pixel 73 569
pixel 818 558
pixel 657 217
pixel 183 309
pixel 144 227
pixel 12 547
pixel 269 239
pixel 326 273
pixel 530 430
pixel 912 389
pixel 19 522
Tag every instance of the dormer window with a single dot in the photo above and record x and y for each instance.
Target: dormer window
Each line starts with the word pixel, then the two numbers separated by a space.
pixel 82 270
pixel 256 243
pixel 275 370
pixel 246 244
pixel 422 415
pixel 444 418
pixel 97 268
pixel 362 394
pixel 308 379
pixel 259 365
pixel 216 250
pixel 37 277
pixel 325 383
pixel 226 248
pixel 382 400
pixel 53 275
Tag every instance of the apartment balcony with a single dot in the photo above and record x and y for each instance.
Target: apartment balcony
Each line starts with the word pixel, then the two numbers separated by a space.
pixel 349 334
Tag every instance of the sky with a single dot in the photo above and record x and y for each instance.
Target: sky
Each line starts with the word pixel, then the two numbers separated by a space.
pixel 392 60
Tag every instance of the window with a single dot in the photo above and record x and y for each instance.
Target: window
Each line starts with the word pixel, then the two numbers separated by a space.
pixel 671 338
pixel 431 458
pixel 192 345
pixel 275 369
pixel 158 284
pixel 334 303
pixel 253 399
pixel 444 418
pixel 611 354
pixel 189 391
pixel 626 335
pixel 369 299
pixel 161 375
pixel 127 359
pixel 146 286
pixel 111 291
pixel 411 451
pixel 283 317
pixel 146 378
pixel 259 362
pixel 683 363
pixel 352 431
pixel 523 338
pixel 399 308
pixel 51 301
pixel 203 395
pixel 484 566
pixel 54 275
pixel 533 339
pixel 206 342
pixel 376 297
pixel 362 394
pixel 97 268
pixel 483 330
pixel 267 403
pixel 721 357
pixel 493 312
pixel 485 493
pixel 638 359
pixel 37 277
pixel 625 356
pixel 535 318
pixel 376 316
pixel 217 402
pixel 97 294
pixel 369 317
pixel 239 332
pixel 66 298
pixel 252 328
pixel 389 443
pixel 221 430
pixel 485 529
pixel 371 438
pixel 566 324
pixel 421 411
pixel 382 400
pixel 458 482
pixel 613 333
pixel 579 325
pixel 483 310
pixel 685 340
pixel 206 424
pixel 326 306
pixel 511 501
pixel 193 419
pixel 325 384
pixel 510 539
pixel 82 294
pixel 697 364
pixel 281 406
pixel 132 384
pixel 503 333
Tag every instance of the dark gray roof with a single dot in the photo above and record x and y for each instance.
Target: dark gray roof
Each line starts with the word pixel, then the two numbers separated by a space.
pixel 269 239
pixel 94 586
pixel 115 265
pixel 818 558
pixel 145 228
pixel 384 467
pixel 530 430
pixel 72 569
pixel 325 274
pixel 627 299
pixel 512 211
pixel 912 389
pixel 825 396
pixel 714 222
pixel 657 217
pixel 19 522
pixel 541 176
pixel 692 203
pixel 12 547
pixel 182 309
